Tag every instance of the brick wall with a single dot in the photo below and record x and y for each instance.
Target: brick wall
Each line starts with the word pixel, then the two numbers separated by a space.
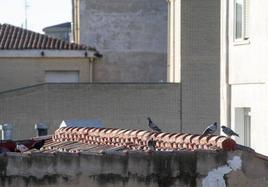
pixel 117 105
pixel 200 63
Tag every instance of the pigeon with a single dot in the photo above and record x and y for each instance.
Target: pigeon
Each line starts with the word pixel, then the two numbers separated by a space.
pixel 39 144
pixel 228 131
pixel 98 55
pixel 151 144
pixel 210 129
pixel 153 126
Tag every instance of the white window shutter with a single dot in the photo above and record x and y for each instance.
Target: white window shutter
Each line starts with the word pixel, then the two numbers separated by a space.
pixel 62 76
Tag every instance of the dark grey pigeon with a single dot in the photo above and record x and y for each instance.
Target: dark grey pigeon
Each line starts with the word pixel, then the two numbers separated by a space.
pixel 228 131
pixel 151 144
pixel 39 144
pixel 153 126
pixel 210 129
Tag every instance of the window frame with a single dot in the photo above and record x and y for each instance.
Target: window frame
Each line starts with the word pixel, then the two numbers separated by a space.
pixel 244 39
pixel 243 125
pixel 247 127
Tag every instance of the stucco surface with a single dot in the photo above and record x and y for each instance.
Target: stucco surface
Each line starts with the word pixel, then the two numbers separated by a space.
pixel 132 36
pixel 184 169
pixel 20 72
pixel 245 73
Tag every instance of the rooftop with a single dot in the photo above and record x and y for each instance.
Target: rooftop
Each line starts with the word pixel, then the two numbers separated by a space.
pixel 113 140
pixel 16 38
pixel 120 157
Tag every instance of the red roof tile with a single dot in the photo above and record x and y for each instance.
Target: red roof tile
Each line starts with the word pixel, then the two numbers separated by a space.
pixel 16 38
pixel 75 140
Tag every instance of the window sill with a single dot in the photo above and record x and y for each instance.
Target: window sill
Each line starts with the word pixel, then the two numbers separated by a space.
pixel 242 42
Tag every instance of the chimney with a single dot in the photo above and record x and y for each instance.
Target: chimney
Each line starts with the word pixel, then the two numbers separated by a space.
pixel 41 129
pixel 6 131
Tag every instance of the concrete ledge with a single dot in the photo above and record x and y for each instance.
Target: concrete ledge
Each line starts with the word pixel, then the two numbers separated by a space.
pixel 185 168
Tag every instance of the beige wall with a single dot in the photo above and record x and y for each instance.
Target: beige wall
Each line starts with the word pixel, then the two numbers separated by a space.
pixel 117 105
pixel 20 72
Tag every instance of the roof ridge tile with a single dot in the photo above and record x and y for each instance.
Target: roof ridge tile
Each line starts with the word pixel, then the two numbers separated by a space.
pixel 138 139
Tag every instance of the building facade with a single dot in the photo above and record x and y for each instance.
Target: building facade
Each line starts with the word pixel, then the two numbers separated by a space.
pixel 28 58
pixel 217 51
pixel 132 36
pixel 243 75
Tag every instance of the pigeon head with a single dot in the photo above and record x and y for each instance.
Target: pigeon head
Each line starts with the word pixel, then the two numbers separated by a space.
pixel 223 127
pixel 149 118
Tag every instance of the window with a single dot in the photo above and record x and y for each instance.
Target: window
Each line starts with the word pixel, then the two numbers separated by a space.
pixel 241 16
pixel 247 126
pixel 62 76
pixel 243 125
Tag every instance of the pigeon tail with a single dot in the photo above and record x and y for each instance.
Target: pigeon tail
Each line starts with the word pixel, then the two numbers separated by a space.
pixel 235 134
pixel 156 129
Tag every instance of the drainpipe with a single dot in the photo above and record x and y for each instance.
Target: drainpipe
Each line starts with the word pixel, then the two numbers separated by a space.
pixel 90 65
pixel 174 48
pixel 169 79
pixel 76 20
pixel 229 90
pixel 6 131
pixel 174 41
pixel 225 98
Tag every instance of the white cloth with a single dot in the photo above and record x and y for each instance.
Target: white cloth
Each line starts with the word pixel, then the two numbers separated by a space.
pixel 21 148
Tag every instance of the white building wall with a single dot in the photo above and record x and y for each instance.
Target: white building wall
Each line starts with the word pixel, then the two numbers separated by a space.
pixel 247 63
pixel 248 60
pixel 253 96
